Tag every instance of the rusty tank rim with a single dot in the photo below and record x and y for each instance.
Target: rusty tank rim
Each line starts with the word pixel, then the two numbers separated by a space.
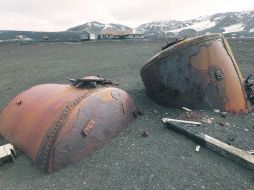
pixel 176 50
pixel 181 46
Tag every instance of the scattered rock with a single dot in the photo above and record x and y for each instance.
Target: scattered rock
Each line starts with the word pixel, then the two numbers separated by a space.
pixel 206 120
pixel 145 134
pixel 223 114
pixel 155 111
pixel 197 148
pixel 193 116
pixel 140 112
pixel 216 111
pixel 222 124
pixel 230 140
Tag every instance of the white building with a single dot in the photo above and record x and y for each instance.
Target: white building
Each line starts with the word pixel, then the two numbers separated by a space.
pixel 92 37
pixel 120 34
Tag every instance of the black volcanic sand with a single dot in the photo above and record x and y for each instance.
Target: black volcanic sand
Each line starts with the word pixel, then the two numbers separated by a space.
pixel 163 160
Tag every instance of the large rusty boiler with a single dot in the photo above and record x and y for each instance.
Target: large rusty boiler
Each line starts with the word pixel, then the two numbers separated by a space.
pixel 198 73
pixel 57 124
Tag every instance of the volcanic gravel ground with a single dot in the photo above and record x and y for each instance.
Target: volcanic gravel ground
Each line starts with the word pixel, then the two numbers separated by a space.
pixel 163 160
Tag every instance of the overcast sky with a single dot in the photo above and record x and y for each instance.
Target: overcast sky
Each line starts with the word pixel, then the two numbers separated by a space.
pixel 58 15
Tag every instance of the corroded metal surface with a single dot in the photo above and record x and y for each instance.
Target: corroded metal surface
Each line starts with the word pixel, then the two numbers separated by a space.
pixel 197 73
pixel 58 124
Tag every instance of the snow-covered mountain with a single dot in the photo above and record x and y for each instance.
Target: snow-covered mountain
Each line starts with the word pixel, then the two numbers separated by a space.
pixel 228 23
pixel 231 23
pixel 96 27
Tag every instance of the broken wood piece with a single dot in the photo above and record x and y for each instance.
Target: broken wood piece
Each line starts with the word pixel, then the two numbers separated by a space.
pixel 166 120
pixel 186 109
pixel 243 157
pixel 7 152
pixel 197 148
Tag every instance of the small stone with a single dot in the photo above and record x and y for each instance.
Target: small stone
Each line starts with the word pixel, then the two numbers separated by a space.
pixel 155 111
pixel 216 111
pixel 223 114
pixel 140 112
pixel 197 148
pixel 221 124
pixel 206 120
pixel 145 134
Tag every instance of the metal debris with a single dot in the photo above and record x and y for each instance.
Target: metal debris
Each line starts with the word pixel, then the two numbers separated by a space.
pixel 167 120
pixel 91 81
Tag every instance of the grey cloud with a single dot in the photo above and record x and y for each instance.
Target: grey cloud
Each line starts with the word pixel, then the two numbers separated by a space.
pixel 53 15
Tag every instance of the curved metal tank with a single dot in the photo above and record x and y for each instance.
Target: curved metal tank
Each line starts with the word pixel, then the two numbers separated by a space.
pixel 58 124
pixel 197 73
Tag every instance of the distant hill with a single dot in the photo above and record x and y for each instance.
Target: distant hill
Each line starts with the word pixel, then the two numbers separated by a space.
pixel 237 23
pixel 97 27
pixel 233 24
pixel 230 23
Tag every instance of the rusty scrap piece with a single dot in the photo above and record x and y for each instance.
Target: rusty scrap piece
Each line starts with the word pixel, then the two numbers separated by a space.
pixel 197 73
pixel 172 43
pixel 91 81
pixel 58 124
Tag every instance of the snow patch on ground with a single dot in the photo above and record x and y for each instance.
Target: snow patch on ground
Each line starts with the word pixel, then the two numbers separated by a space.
pixel 252 30
pixel 198 26
pixel 233 28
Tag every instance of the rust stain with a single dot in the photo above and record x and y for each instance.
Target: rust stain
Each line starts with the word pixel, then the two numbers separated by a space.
pixel 216 56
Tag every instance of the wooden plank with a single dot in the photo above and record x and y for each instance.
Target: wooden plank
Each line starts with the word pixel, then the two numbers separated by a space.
pixel 243 157
pixel 7 150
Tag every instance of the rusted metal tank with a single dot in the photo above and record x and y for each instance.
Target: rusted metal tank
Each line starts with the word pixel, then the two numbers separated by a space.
pixel 198 73
pixel 57 124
